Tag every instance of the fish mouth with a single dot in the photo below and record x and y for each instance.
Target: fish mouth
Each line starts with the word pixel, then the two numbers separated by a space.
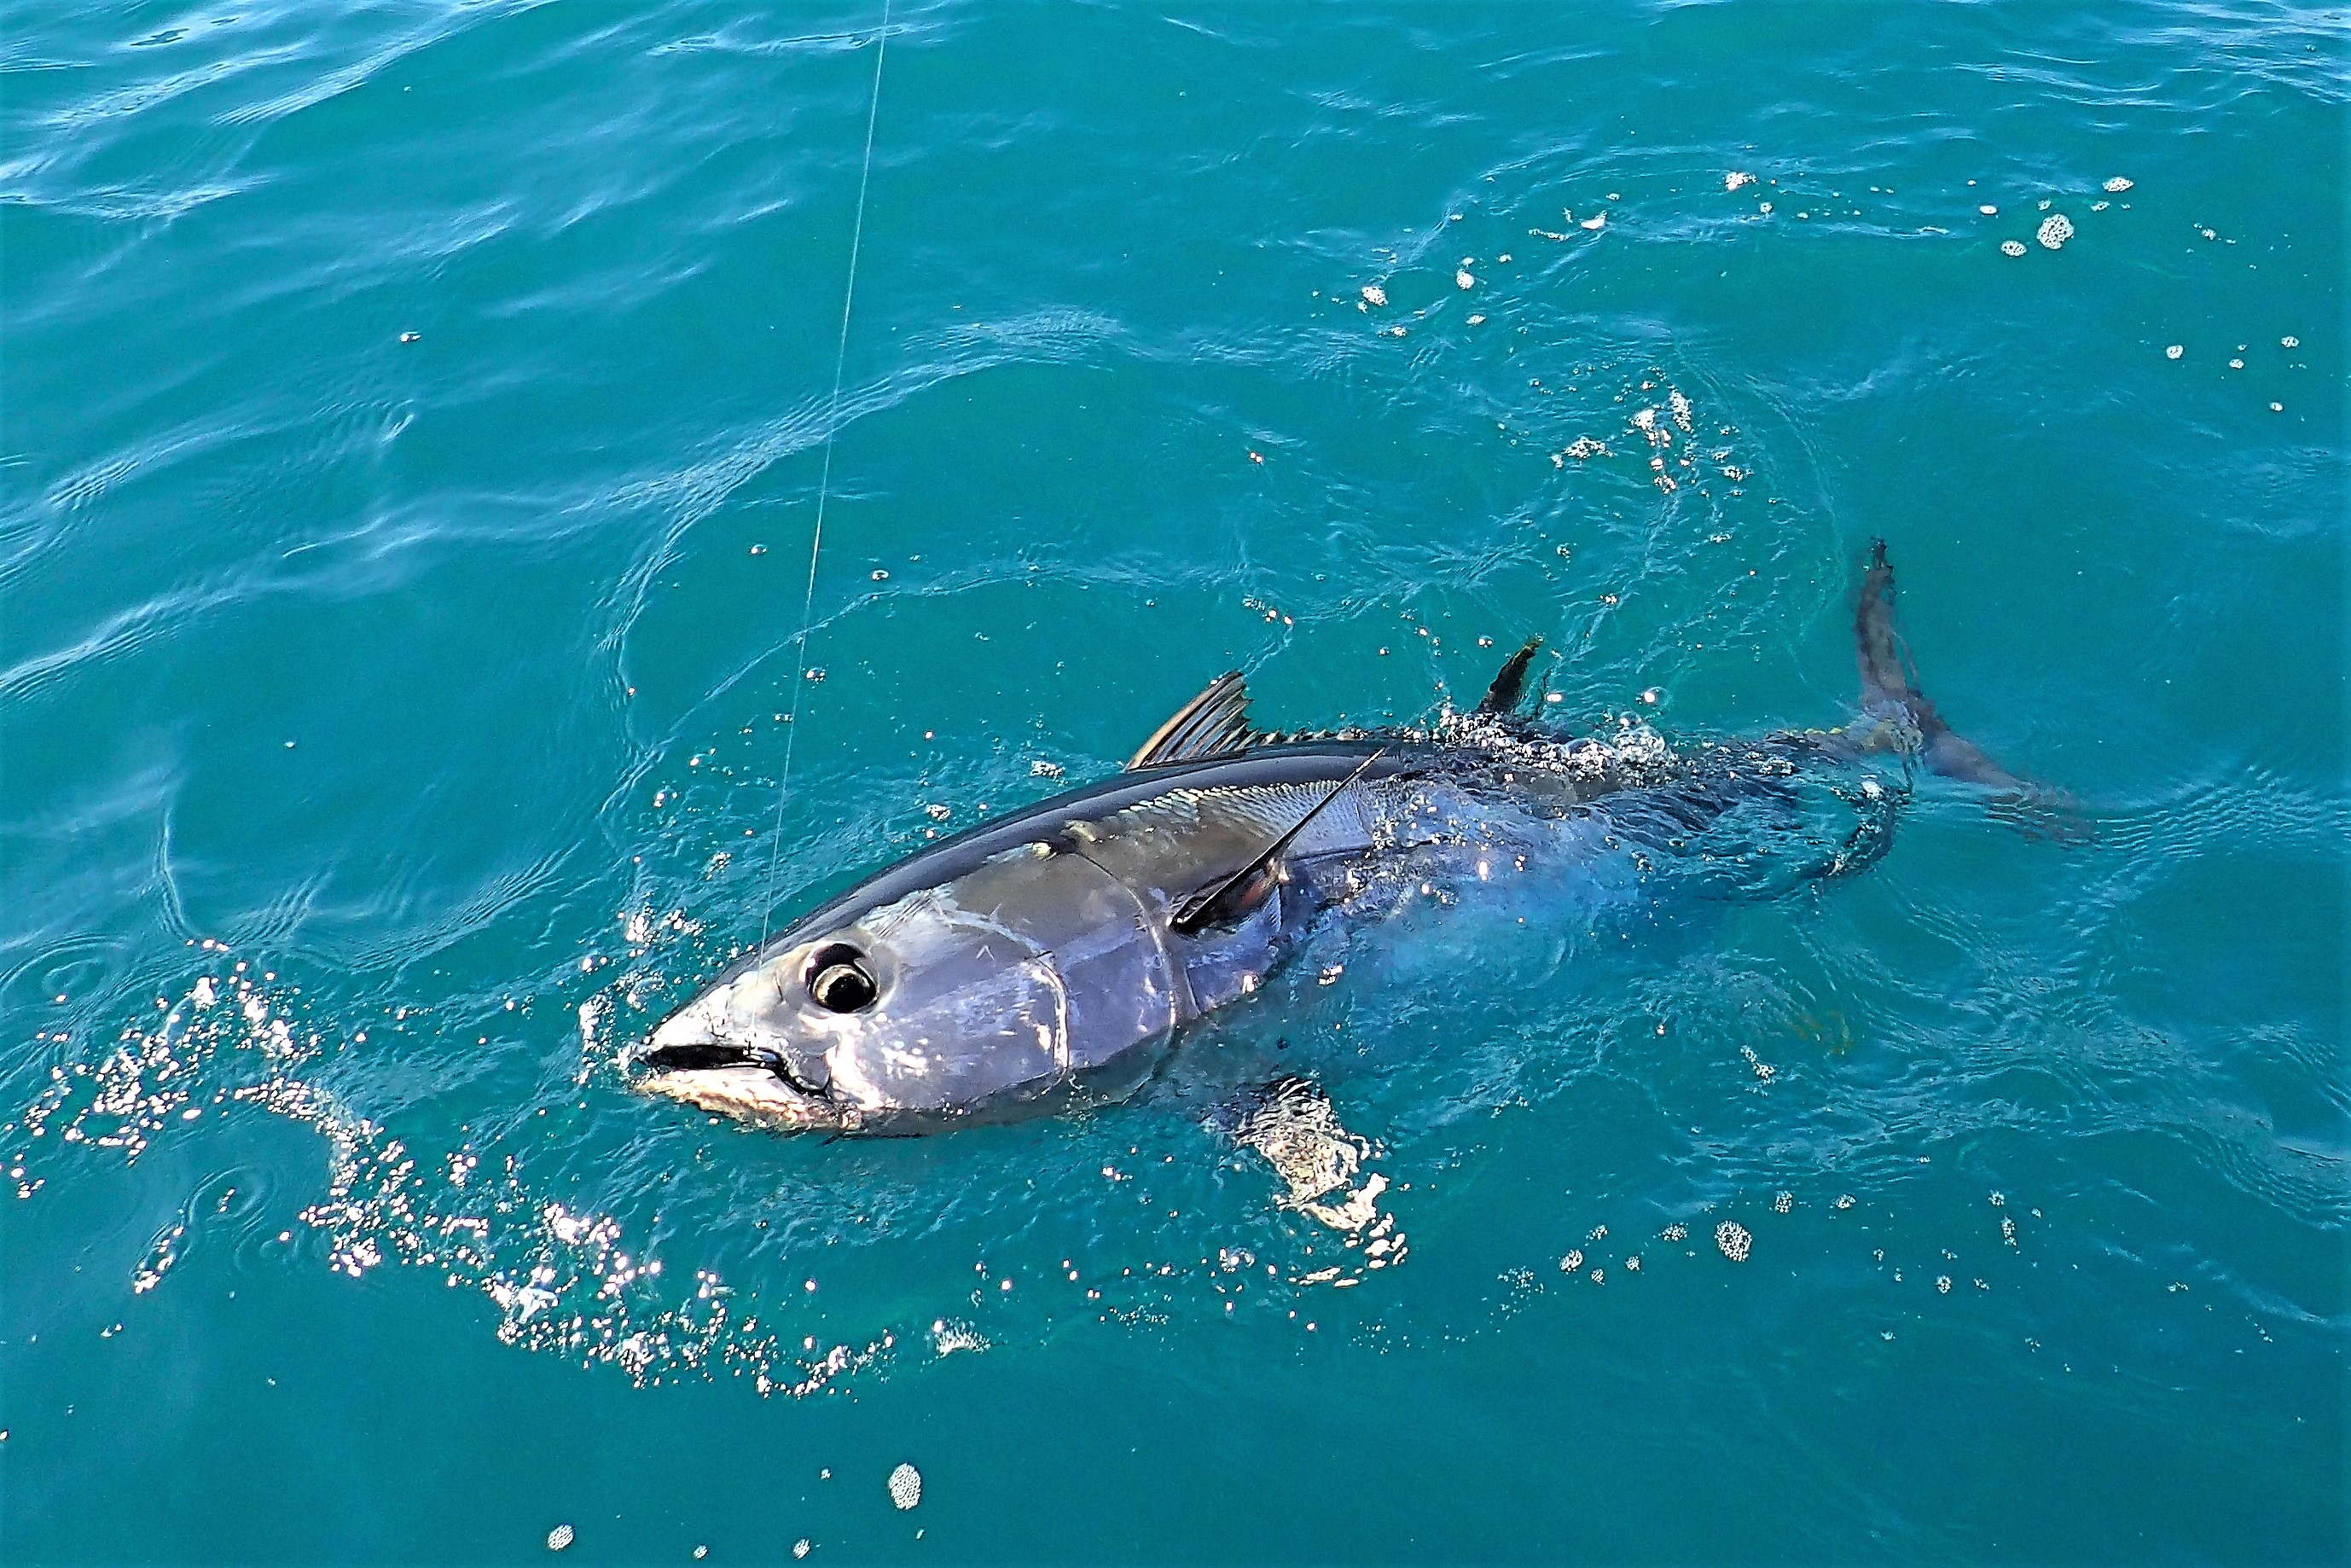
pixel 702 1056
pixel 749 1094
pixel 749 1083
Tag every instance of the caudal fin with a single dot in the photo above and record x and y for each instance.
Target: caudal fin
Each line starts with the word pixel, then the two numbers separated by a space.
pixel 1890 693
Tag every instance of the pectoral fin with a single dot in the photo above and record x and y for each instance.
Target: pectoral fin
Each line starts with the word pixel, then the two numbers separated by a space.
pixel 1241 892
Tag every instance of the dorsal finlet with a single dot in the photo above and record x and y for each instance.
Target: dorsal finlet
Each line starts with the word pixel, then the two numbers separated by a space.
pixel 1214 724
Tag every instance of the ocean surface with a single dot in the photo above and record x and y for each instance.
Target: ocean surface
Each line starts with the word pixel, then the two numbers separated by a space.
pixel 416 421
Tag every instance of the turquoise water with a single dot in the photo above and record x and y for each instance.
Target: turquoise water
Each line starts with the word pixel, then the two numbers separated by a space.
pixel 415 418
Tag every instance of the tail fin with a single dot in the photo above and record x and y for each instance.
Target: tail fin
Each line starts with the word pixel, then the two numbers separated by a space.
pixel 1889 689
pixel 1889 692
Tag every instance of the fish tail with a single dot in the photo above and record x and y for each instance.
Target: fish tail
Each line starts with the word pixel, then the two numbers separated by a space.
pixel 1889 687
pixel 1906 720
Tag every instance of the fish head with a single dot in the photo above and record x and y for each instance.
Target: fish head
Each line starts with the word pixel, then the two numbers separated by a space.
pixel 923 1009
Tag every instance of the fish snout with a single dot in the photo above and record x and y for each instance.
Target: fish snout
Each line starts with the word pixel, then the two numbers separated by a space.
pixel 752 1095
pixel 692 1058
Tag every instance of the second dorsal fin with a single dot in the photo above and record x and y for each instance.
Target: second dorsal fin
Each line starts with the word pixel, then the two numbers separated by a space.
pixel 1511 682
pixel 1214 724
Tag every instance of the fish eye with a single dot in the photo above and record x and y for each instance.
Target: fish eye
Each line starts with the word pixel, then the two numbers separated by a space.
pixel 838 980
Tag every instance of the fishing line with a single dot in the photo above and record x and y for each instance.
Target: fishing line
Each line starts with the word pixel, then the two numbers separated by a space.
pixel 824 482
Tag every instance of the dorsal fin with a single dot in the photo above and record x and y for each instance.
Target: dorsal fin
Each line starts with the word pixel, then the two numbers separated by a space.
pixel 1511 682
pixel 1214 724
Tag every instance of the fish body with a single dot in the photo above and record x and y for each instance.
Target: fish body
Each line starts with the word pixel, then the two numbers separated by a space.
pixel 1035 961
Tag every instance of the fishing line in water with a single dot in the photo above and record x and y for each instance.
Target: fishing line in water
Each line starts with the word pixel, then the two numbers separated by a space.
pixel 801 669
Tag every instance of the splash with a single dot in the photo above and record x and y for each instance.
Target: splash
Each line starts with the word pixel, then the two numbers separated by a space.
pixel 562 1282
pixel 1296 1130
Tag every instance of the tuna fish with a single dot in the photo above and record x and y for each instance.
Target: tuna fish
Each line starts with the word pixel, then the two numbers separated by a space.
pixel 1042 960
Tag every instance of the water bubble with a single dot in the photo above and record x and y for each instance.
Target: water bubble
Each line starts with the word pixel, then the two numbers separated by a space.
pixel 2288 342
pixel 2173 350
pixel 1732 1238
pixel 2118 184
pixel 1989 211
pixel 559 1538
pixel 1375 295
pixel 905 1487
pixel 2011 247
pixel 2055 230
pixel 1462 279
